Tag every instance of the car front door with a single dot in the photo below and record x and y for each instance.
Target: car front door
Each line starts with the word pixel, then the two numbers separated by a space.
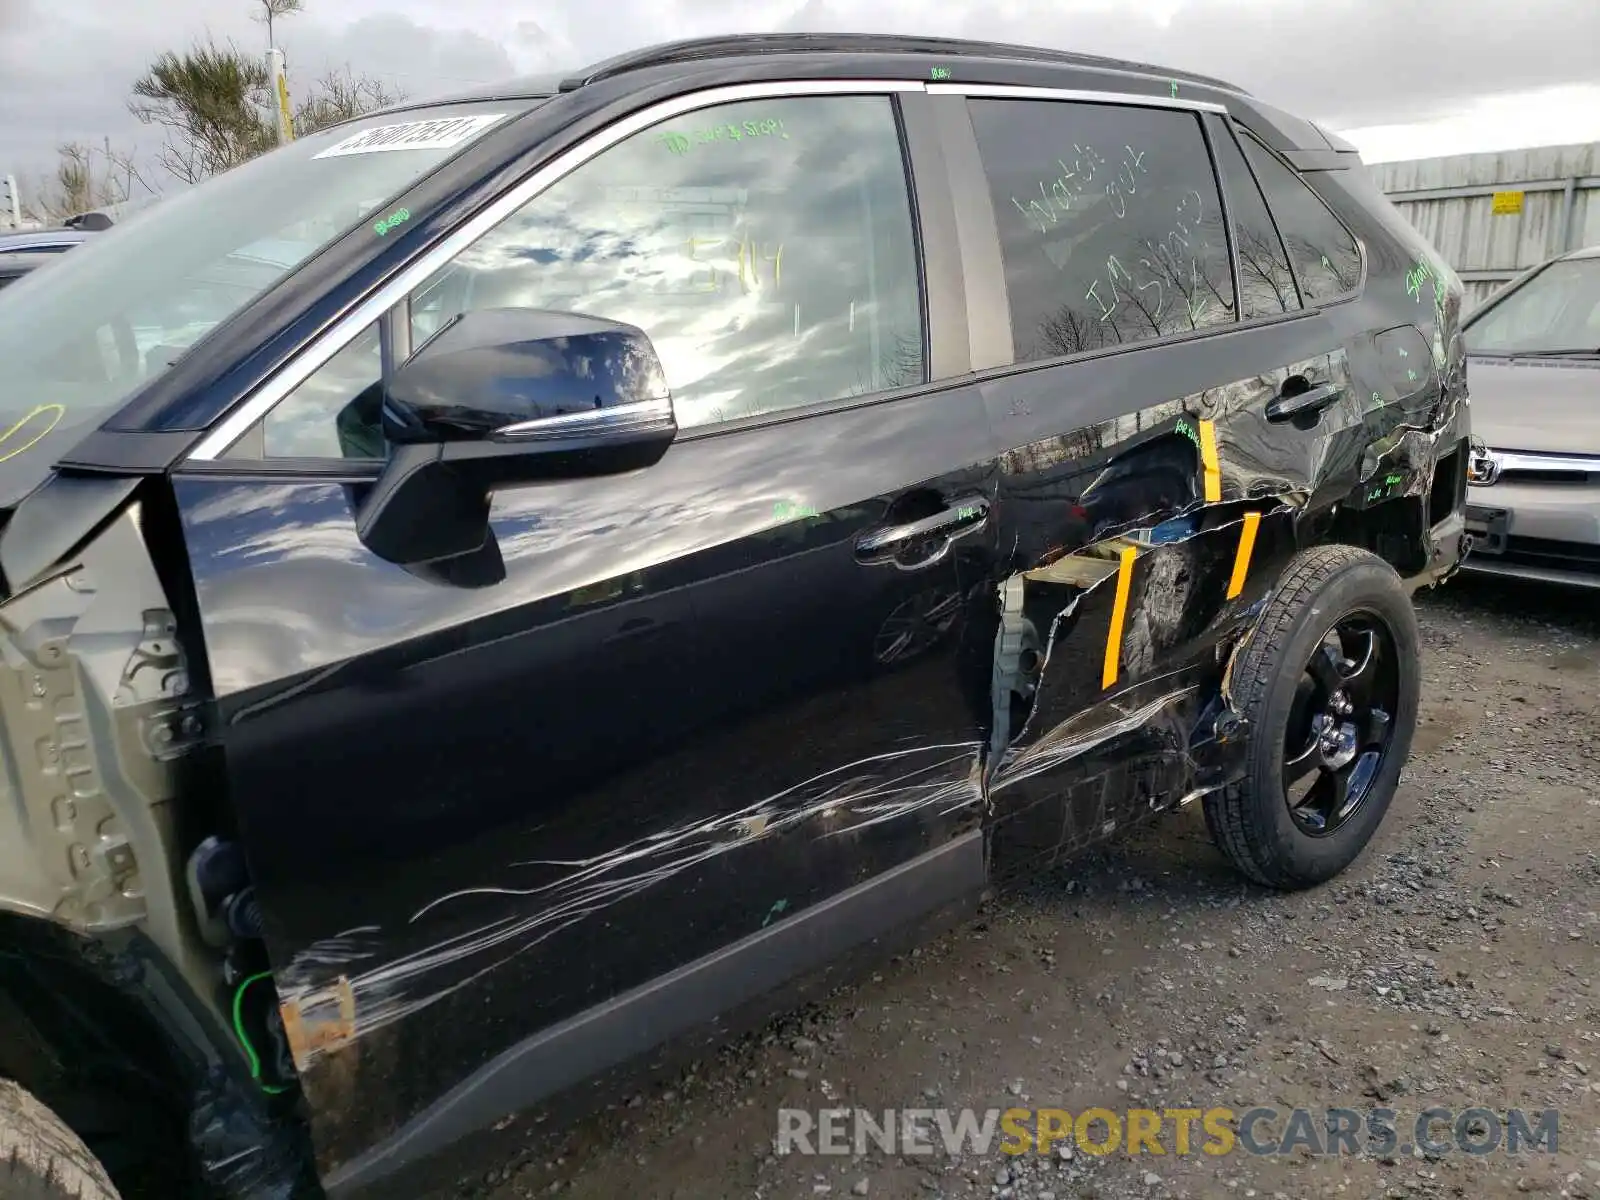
pixel 700 727
pixel 1175 407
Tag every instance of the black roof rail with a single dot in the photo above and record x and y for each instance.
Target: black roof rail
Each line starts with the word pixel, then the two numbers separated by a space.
pixel 89 221
pixel 696 49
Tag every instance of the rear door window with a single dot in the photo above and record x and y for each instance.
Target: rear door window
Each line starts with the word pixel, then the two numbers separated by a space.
pixel 1110 223
pixel 1324 253
pixel 1266 284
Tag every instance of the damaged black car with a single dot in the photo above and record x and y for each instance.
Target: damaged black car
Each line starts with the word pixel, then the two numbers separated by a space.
pixel 506 585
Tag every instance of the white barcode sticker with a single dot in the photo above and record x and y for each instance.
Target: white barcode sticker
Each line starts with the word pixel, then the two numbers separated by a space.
pixel 440 133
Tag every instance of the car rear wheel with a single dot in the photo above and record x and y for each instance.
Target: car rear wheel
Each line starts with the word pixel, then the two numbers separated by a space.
pixel 1329 682
pixel 40 1158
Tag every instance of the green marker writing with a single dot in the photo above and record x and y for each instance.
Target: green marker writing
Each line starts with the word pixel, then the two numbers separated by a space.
pixel 399 217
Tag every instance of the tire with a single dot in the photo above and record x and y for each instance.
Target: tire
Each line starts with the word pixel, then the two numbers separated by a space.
pixel 1324 592
pixel 40 1158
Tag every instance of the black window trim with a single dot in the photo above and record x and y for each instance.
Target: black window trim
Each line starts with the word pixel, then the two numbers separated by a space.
pixel 1229 229
pixel 1240 132
pixel 1230 130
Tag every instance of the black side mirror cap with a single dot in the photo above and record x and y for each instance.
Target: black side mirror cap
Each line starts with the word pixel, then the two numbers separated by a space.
pixel 502 397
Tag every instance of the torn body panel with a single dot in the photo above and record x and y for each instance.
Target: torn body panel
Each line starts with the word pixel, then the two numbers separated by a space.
pixel 510 813
pixel 1147 542
pixel 103 722
pixel 1072 650
pixel 98 715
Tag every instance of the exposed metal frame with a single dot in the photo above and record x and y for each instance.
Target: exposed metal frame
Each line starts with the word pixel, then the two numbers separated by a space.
pixel 989 332
pixel 224 433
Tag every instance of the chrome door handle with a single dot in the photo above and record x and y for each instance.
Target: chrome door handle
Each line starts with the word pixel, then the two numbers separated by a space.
pixel 1284 408
pixel 883 545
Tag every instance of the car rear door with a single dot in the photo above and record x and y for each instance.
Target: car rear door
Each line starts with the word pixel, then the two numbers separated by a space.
pixel 700 727
pixel 1177 398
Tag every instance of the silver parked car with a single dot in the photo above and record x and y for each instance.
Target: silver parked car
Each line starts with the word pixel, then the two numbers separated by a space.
pixel 14 266
pixel 42 241
pixel 1534 354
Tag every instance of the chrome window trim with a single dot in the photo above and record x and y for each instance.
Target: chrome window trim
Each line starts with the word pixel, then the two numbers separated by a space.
pixel 1018 91
pixel 275 389
pixel 640 416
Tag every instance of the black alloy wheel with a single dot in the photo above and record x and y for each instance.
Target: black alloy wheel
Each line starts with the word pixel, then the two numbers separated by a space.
pixel 1328 683
pixel 1341 724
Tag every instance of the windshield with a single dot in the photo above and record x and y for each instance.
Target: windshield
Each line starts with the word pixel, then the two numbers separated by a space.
pixel 1556 311
pixel 78 338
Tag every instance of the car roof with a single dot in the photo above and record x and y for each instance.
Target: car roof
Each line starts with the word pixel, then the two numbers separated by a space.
pixel 1583 252
pixel 35 239
pixel 698 51
pixel 702 61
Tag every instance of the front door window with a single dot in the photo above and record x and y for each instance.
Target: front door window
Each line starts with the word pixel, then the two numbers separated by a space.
pixel 765 246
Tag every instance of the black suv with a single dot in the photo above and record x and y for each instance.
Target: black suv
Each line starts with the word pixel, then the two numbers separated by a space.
pixel 495 587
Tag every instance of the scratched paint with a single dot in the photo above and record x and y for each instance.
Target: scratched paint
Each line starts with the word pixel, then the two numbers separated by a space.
pixel 348 974
pixel 343 989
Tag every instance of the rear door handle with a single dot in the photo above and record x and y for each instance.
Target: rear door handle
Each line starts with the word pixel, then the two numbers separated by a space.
pixel 1284 408
pixel 940 530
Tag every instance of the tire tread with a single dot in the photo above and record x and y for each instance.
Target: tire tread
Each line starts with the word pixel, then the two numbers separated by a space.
pixel 40 1157
pixel 1255 670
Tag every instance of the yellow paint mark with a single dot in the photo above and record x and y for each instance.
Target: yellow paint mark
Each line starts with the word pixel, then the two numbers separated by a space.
pixel 1119 613
pixel 1506 203
pixel 58 410
pixel 1211 468
pixel 1241 557
pixel 285 112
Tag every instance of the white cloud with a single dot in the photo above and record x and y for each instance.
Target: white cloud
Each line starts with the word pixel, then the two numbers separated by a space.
pixel 1418 73
pixel 1546 117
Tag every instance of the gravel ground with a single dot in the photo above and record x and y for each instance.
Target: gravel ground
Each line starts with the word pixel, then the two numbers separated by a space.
pixel 1457 963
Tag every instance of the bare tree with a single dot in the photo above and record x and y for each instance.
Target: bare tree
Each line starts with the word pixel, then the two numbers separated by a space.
pixel 342 96
pixel 86 178
pixel 271 10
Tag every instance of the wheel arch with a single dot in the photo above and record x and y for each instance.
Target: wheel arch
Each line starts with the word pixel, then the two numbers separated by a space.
pixel 77 1025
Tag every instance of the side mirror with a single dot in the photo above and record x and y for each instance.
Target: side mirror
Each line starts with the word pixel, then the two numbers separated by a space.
pixel 501 397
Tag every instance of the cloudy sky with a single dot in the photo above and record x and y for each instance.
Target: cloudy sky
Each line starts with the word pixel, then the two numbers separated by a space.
pixel 1403 78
